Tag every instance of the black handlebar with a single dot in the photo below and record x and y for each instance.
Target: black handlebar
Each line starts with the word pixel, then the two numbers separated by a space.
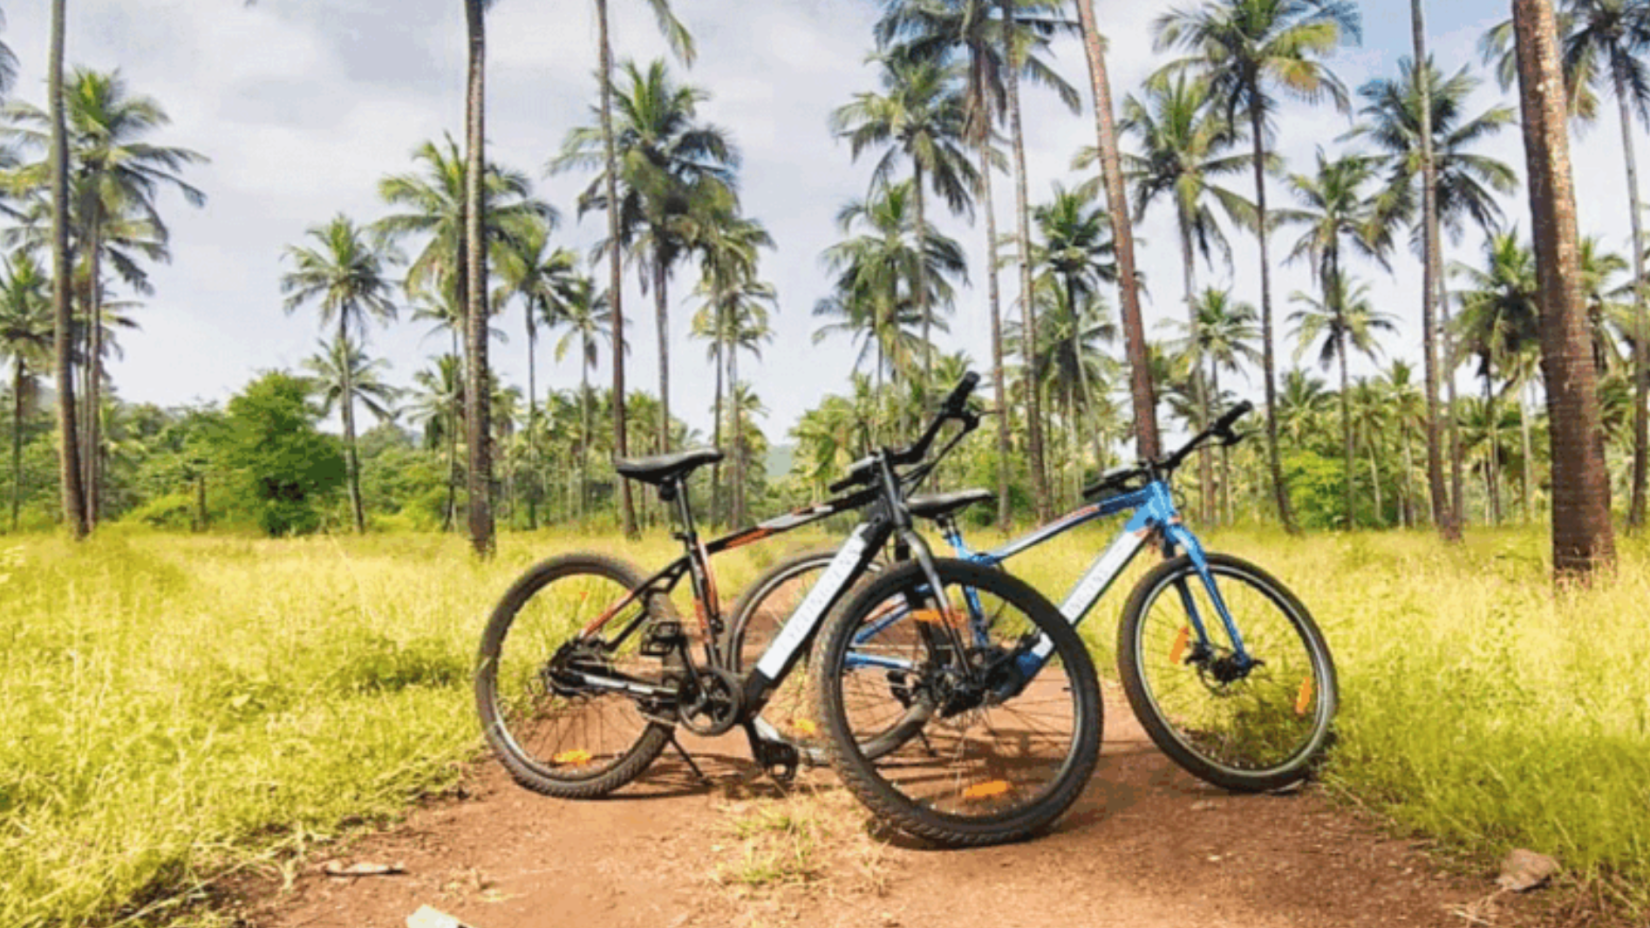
pixel 1126 477
pixel 955 406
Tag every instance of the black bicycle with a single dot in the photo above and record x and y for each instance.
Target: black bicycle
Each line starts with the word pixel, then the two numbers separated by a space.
pixel 585 669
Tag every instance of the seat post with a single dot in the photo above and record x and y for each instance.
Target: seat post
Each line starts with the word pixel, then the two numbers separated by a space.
pixel 684 509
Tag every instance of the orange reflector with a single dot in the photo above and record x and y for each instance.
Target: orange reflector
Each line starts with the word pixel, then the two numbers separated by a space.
pixel 1179 650
pixel 805 727
pixel 939 617
pixel 1304 700
pixel 576 758
pixel 986 790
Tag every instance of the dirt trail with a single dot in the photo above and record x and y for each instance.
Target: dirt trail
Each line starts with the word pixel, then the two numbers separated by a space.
pixel 1147 846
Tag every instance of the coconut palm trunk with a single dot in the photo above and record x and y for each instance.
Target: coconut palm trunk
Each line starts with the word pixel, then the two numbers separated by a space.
pixel 1028 303
pixel 1493 462
pixel 532 419
pixel 661 309
pixel 1128 281
pixel 1188 271
pixel 716 428
pixel 1583 538
pixel 588 430
pixel 1226 514
pixel 1280 493
pixel 1641 350
pixel 352 459
pixel 19 375
pixel 68 463
pixel 1408 510
pixel 1443 511
pixel 1452 424
pixel 1529 455
pixel 998 379
pixel 738 489
pixel 627 508
pixel 477 382
pixel 1346 421
pixel 921 281
pixel 91 452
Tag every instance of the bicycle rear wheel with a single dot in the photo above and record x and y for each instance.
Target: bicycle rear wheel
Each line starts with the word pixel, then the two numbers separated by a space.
pixel 1006 747
pixel 1248 730
pixel 554 735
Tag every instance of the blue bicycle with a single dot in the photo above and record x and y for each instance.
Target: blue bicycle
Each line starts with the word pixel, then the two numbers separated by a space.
pixel 1223 665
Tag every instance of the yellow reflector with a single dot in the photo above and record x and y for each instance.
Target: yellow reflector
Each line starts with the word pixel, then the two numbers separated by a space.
pixel 1179 650
pixel 986 790
pixel 805 727
pixel 1303 702
pixel 938 617
pixel 576 758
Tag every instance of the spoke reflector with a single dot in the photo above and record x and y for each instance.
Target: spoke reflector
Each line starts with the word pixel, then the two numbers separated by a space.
pixel 576 758
pixel 939 617
pixel 1304 700
pixel 805 727
pixel 1179 650
pixel 986 790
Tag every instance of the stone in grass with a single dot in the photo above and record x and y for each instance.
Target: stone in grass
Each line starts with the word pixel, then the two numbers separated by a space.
pixel 1524 870
pixel 427 917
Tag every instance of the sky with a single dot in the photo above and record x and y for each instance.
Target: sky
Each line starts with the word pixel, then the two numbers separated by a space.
pixel 303 107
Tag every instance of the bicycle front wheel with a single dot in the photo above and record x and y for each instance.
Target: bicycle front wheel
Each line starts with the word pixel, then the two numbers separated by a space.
pixel 1245 728
pixel 1011 709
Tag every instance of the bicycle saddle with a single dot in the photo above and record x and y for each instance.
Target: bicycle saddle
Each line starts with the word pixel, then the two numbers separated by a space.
pixel 662 468
pixel 940 505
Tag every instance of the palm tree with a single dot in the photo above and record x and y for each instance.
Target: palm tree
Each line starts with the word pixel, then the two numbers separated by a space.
pixel 1583 538
pixel 675 175
pixel 1408 411
pixel 736 304
pixel 681 44
pixel 541 276
pixel 346 277
pixel 1184 143
pixel 1071 362
pixel 1420 123
pixel 1604 44
pixel 478 375
pixel 1077 254
pixel 344 376
pixel 1246 51
pixel 1342 321
pixel 589 320
pixel 438 403
pixel 1500 320
pixel 926 30
pixel 25 333
pixel 1111 173
pixel 117 174
pixel 920 115
pixel 880 273
pixel 1221 335
pixel 68 468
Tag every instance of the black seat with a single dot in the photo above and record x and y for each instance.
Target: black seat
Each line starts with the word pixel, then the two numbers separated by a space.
pixel 940 505
pixel 660 469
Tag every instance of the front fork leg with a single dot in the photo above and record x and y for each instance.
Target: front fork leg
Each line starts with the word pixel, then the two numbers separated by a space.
pixel 1178 536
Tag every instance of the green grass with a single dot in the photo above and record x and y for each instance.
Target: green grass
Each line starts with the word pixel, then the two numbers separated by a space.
pixel 173 706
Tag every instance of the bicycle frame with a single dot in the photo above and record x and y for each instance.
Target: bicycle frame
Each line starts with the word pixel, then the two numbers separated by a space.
pixel 889 519
pixel 1154 515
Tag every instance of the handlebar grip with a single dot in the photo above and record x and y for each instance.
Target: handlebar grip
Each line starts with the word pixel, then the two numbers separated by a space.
pixel 958 400
pixel 1233 415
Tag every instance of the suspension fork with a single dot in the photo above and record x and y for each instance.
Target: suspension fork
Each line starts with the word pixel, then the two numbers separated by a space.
pixel 1177 535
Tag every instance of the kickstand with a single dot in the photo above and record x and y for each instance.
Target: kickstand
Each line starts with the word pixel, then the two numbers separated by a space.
pixel 687 757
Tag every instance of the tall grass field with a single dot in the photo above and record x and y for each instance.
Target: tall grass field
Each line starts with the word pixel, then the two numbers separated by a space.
pixel 173 708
